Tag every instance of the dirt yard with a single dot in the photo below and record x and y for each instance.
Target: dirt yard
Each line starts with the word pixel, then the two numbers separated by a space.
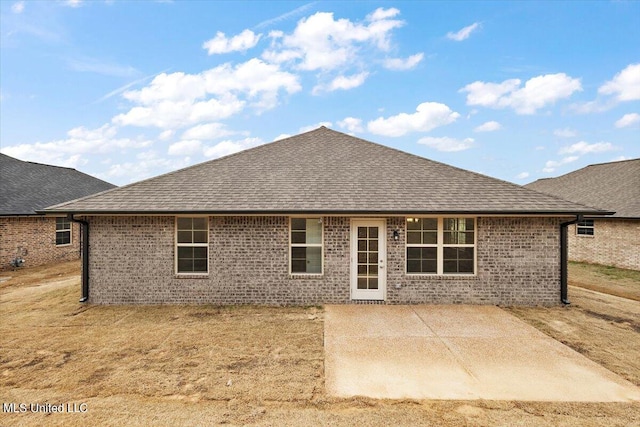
pixel 206 365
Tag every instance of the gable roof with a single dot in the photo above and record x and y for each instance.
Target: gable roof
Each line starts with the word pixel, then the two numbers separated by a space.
pixel 613 186
pixel 27 187
pixel 322 171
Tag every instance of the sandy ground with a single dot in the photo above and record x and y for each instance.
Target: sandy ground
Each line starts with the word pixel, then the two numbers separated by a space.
pixel 205 365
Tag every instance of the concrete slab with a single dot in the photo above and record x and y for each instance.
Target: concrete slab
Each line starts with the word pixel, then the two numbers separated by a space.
pixel 456 352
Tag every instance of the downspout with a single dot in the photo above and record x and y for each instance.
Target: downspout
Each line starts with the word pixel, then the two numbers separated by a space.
pixel 564 256
pixel 85 257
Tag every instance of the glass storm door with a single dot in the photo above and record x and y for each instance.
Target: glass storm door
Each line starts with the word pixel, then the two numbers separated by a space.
pixel 368 259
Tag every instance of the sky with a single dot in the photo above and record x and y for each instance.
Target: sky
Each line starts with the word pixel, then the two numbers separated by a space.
pixel 126 90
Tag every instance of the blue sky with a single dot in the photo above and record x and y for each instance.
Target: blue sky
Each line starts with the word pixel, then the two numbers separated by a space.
pixel 127 90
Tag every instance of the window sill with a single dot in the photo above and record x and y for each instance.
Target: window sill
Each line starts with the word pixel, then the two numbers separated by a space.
pixel 442 276
pixel 191 276
pixel 64 246
pixel 587 236
pixel 306 275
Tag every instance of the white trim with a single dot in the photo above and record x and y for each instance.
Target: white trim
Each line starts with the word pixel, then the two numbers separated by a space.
pixel 440 245
pixel 586 227
pixel 189 245
pixel 369 294
pixel 62 231
pixel 307 245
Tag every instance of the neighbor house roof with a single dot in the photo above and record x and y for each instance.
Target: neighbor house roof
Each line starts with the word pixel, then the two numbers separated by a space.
pixel 27 187
pixel 322 171
pixel 613 186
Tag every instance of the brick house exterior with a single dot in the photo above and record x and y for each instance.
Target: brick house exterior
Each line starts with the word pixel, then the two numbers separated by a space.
pixel 613 239
pixel 323 217
pixel 26 187
pixel 33 238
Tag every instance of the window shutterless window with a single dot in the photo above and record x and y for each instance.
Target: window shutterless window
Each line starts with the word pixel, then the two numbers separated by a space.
pixel 440 246
pixel 585 228
pixel 306 246
pixel 63 231
pixel 192 245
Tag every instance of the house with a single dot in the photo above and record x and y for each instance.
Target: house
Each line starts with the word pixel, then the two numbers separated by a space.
pixel 27 187
pixel 323 217
pixel 614 186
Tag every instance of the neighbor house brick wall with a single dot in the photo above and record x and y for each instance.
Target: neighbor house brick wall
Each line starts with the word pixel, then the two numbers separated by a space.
pixel 615 242
pixel 34 239
pixel 132 261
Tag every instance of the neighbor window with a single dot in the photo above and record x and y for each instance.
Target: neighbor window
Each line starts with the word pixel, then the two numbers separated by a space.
pixel 192 245
pixel 63 232
pixel 306 245
pixel 585 228
pixel 440 245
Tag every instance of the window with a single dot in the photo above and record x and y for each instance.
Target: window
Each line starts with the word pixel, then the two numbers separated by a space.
pixel 306 245
pixel 63 232
pixel 440 245
pixel 192 245
pixel 585 228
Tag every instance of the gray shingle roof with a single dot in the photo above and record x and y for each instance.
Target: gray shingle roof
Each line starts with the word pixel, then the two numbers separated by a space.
pixel 322 171
pixel 611 186
pixel 27 187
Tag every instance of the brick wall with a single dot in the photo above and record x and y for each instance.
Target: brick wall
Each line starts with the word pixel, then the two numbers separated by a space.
pixel 615 242
pixel 34 239
pixel 132 261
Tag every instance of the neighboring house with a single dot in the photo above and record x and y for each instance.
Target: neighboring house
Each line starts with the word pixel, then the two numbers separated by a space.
pixel 615 186
pixel 323 217
pixel 26 187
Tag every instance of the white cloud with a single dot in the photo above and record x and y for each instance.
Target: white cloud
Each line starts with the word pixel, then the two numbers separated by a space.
pixel 342 83
pixel 98 66
pixel 628 120
pixel 315 126
pixel 428 116
pixel 352 124
pixel 73 3
pixel 185 147
pixel 207 132
pixel 166 135
pixel 522 175
pixel 179 99
pixel 401 64
pixel 537 92
pixel 282 136
pixel 625 85
pixel 583 147
pixel 552 165
pixel 80 141
pixel 565 133
pixel 464 33
pixel 146 164
pixel 446 143
pixel 17 7
pixel 224 148
pixel 320 42
pixel 284 16
pixel 488 127
pixel 239 43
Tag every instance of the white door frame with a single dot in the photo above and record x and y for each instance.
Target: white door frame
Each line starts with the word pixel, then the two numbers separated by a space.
pixel 369 294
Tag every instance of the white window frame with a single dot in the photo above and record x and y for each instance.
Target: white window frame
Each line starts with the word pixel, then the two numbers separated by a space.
pixel 190 245
pixel 591 227
pixel 307 245
pixel 69 230
pixel 440 245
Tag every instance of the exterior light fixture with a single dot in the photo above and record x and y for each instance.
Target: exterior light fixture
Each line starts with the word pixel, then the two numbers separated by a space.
pixel 396 235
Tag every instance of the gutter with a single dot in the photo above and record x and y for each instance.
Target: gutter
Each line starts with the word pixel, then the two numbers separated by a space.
pixel 564 257
pixel 85 256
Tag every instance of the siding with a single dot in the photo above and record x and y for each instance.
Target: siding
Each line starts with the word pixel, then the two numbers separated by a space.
pixel 132 261
pixel 34 239
pixel 615 242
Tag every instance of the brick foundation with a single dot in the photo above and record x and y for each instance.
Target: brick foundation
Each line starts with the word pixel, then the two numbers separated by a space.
pixel 34 239
pixel 132 261
pixel 615 242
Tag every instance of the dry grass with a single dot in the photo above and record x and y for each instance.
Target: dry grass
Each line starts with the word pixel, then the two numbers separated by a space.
pixel 601 278
pixel 205 365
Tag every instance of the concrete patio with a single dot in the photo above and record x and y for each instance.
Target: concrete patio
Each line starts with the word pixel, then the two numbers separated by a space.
pixel 456 352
